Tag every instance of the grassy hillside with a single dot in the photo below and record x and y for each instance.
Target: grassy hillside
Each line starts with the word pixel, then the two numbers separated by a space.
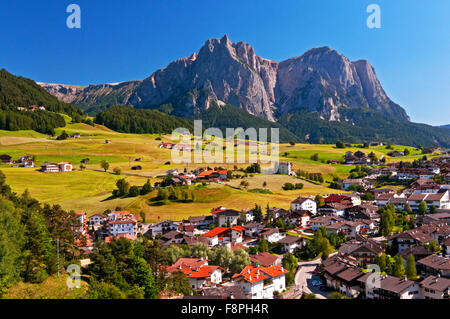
pixel 90 190
pixel 51 288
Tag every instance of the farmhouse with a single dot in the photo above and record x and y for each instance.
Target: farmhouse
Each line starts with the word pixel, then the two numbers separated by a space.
pixel 171 237
pixel 253 229
pixel 435 265
pixel 272 235
pixel 224 292
pixel 347 183
pixel 97 219
pixel 226 217
pixel 390 288
pixel 198 272
pixel 285 168
pixel 261 282
pixel 264 259
pixel 333 209
pixel 28 163
pixel 65 167
pixel 364 252
pixel 341 274
pixel 162 227
pixel 435 287
pixel 221 235
pixel 410 238
pixel 6 159
pixel 304 203
pixel 363 211
pixel 290 243
pixel 323 221
pixel 50 168
pixel 396 154
pixel 348 199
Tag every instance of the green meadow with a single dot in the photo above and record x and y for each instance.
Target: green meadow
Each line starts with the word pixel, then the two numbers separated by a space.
pixel 90 189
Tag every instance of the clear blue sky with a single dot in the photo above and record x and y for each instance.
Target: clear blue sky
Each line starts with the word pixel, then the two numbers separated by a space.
pixel 127 40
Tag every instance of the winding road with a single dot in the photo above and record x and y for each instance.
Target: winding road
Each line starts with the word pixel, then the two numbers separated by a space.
pixel 304 278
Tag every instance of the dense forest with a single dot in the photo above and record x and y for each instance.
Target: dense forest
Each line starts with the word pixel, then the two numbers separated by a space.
pixel 365 126
pixel 28 254
pixel 127 119
pixel 19 92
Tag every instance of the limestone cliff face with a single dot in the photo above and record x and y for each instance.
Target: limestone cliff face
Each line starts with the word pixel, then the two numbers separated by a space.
pixel 92 95
pixel 64 93
pixel 321 80
pixel 324 80
pixel 221 71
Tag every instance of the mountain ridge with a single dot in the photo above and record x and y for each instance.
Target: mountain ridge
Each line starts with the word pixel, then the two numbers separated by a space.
pixel 228 72
pixel 342 97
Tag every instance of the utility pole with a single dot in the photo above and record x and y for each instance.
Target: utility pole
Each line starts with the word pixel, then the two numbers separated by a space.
pixel 57 253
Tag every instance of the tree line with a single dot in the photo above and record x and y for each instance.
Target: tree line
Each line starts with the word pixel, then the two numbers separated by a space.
pixel 127 119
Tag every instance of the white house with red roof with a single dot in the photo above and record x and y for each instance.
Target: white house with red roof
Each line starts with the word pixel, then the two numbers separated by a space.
pixel 97 219
pixel 81 219
pixel 304 203
pixel 120 215
pixel 261 282
pixel 65 166
pixel 122 222
pixel 222 235
pixel 119 227
pixel 198 272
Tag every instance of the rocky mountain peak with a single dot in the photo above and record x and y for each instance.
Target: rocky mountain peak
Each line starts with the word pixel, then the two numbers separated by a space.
pixel 321 80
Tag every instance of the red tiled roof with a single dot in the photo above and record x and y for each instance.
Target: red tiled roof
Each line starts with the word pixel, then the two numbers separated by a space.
pixel 256 274
pixel 274 271
pixel 193 268
pixel 216 231
pixel 206 173
pixel 238 228
pixel 124 212
pixel 191 262
pixel 127 236
pixel 264 258
pixel 335 198
pixel 251 274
